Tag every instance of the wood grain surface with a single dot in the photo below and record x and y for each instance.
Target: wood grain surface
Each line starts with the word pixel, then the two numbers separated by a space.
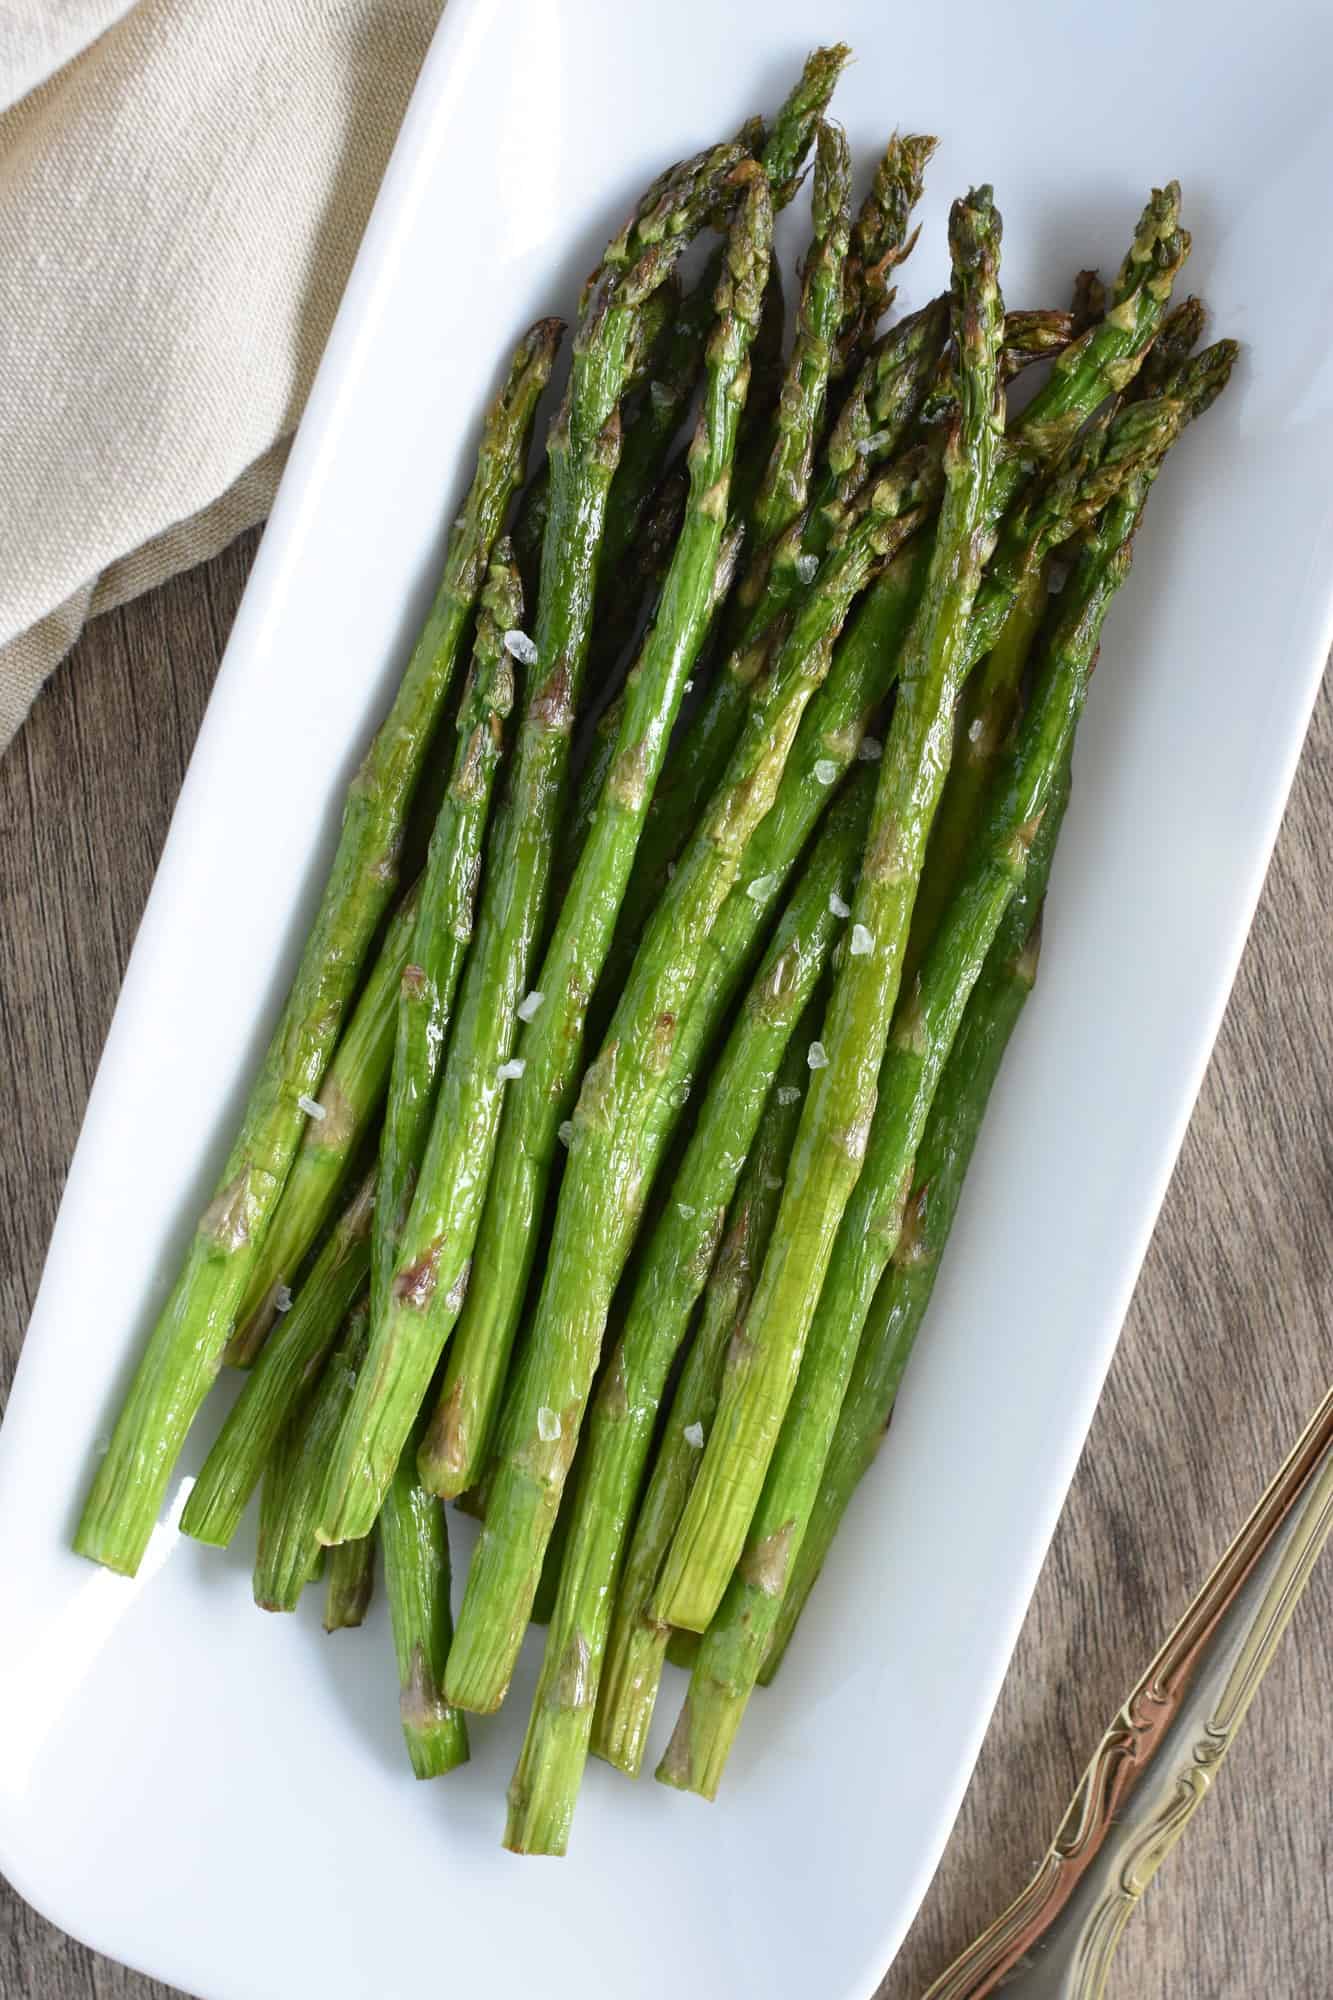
pixel 1228 1346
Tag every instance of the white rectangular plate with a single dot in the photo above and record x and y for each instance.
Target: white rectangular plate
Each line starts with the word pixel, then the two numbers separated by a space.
pixel 221 1798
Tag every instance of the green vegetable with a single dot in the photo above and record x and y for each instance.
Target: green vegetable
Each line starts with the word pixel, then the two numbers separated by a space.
pixel 427 1289
pixel 835 1124
pixel 444 922
pixel 415 1539
pixel 291 1362
pixel 185 1348
pixel 671 1275
pixel 551 1046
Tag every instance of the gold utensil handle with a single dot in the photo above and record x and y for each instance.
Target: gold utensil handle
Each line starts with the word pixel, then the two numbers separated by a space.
pixel 1157 1760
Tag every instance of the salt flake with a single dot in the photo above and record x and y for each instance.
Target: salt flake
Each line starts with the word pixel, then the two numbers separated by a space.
pixel 510 1071
pixel 761 888
pixel 836 905
pixel 548 1425
pixel 530 1006
pixel 862 943
pixel 520 647
pixel 817 1056
pixel 694 1436
pixel 787 1093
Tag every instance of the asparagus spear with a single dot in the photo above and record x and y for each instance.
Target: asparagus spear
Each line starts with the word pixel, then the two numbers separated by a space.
pixel 1033 777
pixel 552 1044
pixel 349 1097
pixel 733 1649
pixel 987 712
pixel 415 1538
pixel 636 1646
pixel 426 1291
pixel 835 1123
pixel 291 1362
pixel 671 1276
pixel 604 1183
pixel 444 914
pixel 186 1345
pixel 942 1160
pixel 1104 357
pixel 350 1584
pixel 1088 304
pixel 782 492
pixel 887 394
pixel 602 749
pixel 461 1434
pixel 289 1552
pixel 880 241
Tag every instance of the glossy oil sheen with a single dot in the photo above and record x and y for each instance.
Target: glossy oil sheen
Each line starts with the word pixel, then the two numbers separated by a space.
pixel 222 1798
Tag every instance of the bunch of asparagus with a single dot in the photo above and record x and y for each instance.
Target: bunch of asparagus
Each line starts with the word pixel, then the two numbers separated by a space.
pixel 597 1179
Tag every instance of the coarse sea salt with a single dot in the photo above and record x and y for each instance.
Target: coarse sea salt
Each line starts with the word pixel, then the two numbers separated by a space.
pixel 875 442
pixel 282 1299
pixel 806 568
pixel 548 1425
pixel 311 1109
pixel 826 770
pixel 520 647
pixel 862 943
pixel 836 905
pixel 564 1132
pixel 694 1436
pixel 871 750
pixel 817 1056
pixel 761 888
pixel 510 1071
pixel 530 1006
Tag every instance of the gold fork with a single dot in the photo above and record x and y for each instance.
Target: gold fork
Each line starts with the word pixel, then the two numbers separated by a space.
pixel 1158 1759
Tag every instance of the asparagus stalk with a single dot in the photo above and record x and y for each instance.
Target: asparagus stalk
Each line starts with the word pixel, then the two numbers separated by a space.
pixel 732 1651
pixel 880 241
pixel 604 1181
pixel 350 1585
pixel 1034 776
pixel 289 1365
pixel 636 1645
pixel 425 1293
pixel 289 1551
pixel 415 1539
pixel 835 1123
pixel 670 1279
pixel 185 1348
pixel 782 492
pixel 349 1098
pixel 888 392
pixel 987 712
pixel 601 753
pixel 444 915
pixel 1088 303
pixel 900 1303
pixel 1104 358
pixel 552 1044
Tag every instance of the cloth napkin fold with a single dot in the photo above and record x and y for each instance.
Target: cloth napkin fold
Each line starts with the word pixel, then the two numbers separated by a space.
pixel 180 202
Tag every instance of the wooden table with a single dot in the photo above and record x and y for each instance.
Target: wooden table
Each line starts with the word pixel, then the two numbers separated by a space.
pixel 1227 1348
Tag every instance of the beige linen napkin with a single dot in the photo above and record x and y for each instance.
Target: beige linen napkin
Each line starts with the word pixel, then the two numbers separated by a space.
pixel 180 203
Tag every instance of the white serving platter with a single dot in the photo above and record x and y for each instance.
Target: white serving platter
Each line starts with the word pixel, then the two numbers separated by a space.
pixel 220 1798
